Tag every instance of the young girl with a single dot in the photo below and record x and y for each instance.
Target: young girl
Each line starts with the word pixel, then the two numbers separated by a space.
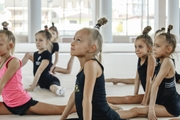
pixel 145 71
pixel 55 49
pixel 42 63
pixel 15 99
pixel 164 99
pixel 131 80
pixel 89 95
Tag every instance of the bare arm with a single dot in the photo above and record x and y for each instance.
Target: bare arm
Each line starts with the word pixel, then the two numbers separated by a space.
pixel 12 67
pixel 91 73
pixel 69 106
pixel 166 68
pixel 136 83
pixel 55 61
pixel 39 71
pixel 150 72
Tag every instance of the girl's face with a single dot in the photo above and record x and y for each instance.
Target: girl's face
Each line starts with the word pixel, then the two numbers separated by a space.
pixel 141 48
pixel 4 49
pixel 54 34
pixel 81 45
pixel 41 42
pixel 160 47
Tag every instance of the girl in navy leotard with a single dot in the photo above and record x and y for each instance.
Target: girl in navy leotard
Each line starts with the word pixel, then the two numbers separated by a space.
pixel 54 48
pixel 89 95
pixel 145 69
pixel 164 99
pixel 131 80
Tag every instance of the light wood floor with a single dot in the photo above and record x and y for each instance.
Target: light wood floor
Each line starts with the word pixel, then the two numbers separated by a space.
pixel 68 81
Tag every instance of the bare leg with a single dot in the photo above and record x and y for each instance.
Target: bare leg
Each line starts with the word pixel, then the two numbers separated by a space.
pixel 41 109
pixel 117 80
pixel 143 111
pixel 65 70
pixel 27 56
pixel 53 88
pixel 4 110
pixel 136 99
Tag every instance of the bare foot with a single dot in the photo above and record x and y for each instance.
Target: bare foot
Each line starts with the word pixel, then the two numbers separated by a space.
pixel 114 81
pixel 115 107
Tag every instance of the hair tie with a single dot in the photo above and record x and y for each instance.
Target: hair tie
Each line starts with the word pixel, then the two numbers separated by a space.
pixel 97 26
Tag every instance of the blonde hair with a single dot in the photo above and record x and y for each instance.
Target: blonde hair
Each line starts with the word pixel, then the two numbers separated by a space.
pixel 9 34
pixel 170 38
pixel 95 36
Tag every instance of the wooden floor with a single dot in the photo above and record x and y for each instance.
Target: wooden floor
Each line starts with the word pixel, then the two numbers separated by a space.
pixel 68 81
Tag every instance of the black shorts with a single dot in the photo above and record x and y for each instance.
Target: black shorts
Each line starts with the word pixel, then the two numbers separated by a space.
pixel 54 81
pixel 21 110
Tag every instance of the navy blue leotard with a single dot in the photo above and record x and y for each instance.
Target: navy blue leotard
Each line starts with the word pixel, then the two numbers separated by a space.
pixel 167 95
pixel 100 107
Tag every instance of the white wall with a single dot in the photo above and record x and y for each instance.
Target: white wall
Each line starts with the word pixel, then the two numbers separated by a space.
pixel 119 59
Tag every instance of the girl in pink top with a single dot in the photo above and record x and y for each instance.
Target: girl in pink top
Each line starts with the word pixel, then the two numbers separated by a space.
pixel 15 99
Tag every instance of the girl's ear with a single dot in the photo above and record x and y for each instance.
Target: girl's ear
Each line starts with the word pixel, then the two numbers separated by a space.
pixel 47 42
pixel 92 49
pixel 169 49
pixel 11 45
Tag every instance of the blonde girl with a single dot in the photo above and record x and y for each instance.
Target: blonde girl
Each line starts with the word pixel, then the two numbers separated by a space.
pixel 15 99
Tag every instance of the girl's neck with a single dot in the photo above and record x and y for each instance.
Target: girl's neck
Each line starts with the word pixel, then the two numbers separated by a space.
pixel 42 50
pixel 83 60
pixel 143 57
pixel 4 57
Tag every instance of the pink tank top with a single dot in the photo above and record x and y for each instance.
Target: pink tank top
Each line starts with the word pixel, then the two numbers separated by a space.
pixel 13 93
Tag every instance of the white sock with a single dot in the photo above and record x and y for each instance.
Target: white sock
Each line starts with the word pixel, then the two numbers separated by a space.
pixel 61 91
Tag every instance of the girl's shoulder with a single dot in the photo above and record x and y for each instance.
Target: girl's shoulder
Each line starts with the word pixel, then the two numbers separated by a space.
pixel 13 61
pixel 151 58
pixel 168 60
pixel 12 58
pixel 55 43
pixel 93 63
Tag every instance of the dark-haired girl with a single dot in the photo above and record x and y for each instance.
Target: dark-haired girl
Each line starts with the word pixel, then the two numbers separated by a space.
pixel 54 48
pixel 42 64
pixel 164 99
pixel 145 70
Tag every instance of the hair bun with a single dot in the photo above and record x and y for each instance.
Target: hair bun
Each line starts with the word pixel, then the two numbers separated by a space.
pixel 52 24
pixel 101 22
pixel 146 30
pixel 5 24
pixel 46 27
pixel 170 27
pixel 163 28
